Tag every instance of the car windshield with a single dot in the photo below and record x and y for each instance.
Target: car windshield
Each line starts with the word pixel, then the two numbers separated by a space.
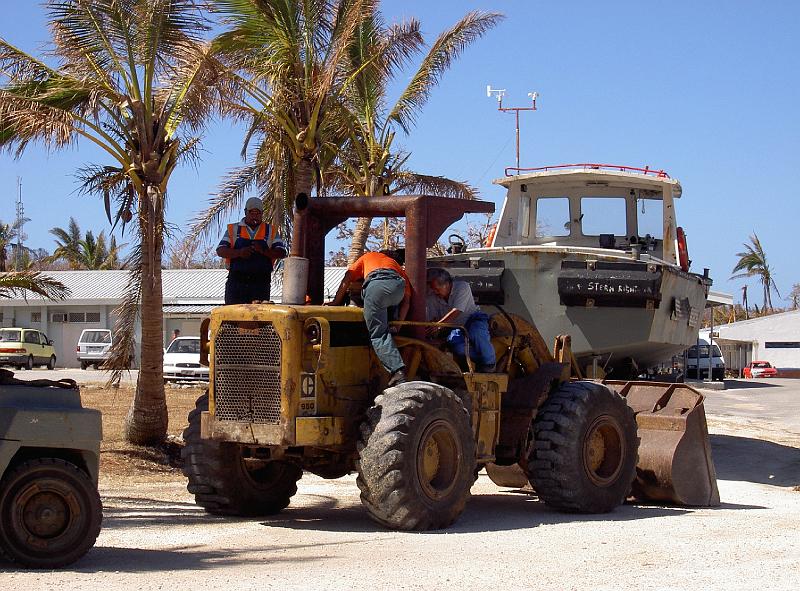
pixel 703 351
pixel 761 364
pixel 96 336
pixel 11 336
pixel 184 346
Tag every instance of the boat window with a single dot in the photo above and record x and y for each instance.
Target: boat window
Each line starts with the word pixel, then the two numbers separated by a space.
pixel 525 216
pixel 650 214
pixel 603 215
pixel 552 216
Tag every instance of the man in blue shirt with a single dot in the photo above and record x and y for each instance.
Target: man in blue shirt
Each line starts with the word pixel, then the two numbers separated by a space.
pixel 250 248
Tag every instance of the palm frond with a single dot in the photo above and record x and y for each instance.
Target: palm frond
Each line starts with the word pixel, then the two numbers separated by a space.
pixel 127 313
pixel 227 199
pixel 22 282
pixel 423 184
pixel 447 47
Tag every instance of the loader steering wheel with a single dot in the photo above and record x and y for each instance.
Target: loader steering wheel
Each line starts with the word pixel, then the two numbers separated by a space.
pixel 457 244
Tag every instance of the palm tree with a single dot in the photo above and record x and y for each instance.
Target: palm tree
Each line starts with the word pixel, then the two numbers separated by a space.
pixel 68 243
pixel 292 55
pixel 134 78
pixel 369 165
pixel 794 296
pixel 6 235
pixel 14 283
pixel 87 252
pixel 11 237
pixel 753 263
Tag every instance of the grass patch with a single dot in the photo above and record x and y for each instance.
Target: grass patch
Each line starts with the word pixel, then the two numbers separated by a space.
pixel 123 463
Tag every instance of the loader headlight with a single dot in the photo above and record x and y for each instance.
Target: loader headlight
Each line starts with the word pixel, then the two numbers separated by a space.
pixel 313 333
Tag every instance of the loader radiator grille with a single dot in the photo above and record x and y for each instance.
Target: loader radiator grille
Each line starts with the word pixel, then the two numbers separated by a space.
pixel 247 373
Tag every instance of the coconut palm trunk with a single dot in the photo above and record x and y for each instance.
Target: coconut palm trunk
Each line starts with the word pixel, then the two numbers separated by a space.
pixel 359 241
pixel 147 421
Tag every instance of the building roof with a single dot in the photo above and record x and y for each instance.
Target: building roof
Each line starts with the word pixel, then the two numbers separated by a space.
pixel 779 318
pixel 180 287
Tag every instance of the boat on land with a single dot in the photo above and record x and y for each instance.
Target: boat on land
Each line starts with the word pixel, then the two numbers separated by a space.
pixel 603 260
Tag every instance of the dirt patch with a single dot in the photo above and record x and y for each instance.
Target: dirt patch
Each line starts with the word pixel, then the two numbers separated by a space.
pixel 123 463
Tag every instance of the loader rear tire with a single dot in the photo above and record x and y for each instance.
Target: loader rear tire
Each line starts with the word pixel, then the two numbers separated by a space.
pixel 416 457
pixel 223 482
pixel 585 449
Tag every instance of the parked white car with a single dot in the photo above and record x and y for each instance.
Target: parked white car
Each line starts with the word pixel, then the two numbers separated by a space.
pixel 182 360
pixel 94 347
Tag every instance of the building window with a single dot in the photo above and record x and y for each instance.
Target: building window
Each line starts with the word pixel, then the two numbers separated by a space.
pixel 782 345
pixel 76 317
pixel 1 317
pixel 59 317
pixel 92 316
pixel 36 317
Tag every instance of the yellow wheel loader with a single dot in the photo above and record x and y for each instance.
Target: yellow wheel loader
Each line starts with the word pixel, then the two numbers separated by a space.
pixel 296 387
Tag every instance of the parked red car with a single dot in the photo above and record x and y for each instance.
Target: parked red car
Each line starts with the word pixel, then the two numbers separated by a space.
pixel 760 369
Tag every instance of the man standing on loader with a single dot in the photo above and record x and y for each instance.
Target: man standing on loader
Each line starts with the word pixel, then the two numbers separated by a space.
pixel 250 248
pixel 385 285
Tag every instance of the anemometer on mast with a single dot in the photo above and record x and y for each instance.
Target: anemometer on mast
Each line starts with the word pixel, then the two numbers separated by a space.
pixel 500 93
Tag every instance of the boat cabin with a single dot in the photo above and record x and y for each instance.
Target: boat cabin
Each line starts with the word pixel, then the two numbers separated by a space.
pixel 591 206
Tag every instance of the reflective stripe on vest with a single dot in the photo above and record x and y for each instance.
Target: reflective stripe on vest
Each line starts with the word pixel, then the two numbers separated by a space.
pixel 245 232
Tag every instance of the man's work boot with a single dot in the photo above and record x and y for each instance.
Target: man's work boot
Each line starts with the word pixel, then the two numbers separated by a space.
pixel 398 377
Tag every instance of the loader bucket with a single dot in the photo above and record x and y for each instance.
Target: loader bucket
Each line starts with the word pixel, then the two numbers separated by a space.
pixel 508 476
pixel 675 462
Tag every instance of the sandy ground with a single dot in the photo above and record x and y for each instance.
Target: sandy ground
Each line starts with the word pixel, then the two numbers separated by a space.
pixel 154 537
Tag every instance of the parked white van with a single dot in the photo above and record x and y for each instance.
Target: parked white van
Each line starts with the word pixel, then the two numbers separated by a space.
pixel 716 361
pixel 94 347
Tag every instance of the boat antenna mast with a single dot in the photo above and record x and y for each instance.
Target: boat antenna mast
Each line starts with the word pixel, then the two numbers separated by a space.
pixel 500 93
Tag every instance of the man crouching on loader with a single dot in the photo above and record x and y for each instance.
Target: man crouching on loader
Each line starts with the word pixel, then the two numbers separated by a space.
pixel 385 285
pixel 452 301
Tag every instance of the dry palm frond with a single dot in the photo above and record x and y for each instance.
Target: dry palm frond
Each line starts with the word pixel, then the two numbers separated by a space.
pixel 127 313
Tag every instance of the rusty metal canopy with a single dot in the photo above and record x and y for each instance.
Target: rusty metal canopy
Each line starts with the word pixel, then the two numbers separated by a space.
pixel 426 218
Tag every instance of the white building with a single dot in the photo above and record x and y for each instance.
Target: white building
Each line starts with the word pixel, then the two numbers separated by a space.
pixel 774 338
pixel 189 296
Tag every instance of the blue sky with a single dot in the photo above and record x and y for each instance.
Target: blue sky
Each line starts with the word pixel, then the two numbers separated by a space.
pixel 707 91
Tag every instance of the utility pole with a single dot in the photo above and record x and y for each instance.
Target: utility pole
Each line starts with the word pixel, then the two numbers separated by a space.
pixel 499 93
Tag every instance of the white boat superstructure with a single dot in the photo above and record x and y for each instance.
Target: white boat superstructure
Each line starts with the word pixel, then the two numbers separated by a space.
pixel 595 252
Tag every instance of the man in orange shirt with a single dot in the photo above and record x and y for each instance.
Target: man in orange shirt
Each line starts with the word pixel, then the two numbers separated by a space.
pixel 385 285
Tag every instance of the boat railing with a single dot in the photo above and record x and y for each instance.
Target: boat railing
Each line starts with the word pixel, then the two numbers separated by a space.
pixel 647 171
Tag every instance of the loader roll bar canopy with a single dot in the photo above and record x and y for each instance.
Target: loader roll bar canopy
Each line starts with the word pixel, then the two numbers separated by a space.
pixel 427 217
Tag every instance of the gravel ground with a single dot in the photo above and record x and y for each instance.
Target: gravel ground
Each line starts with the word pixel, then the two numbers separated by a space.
pixel 154 537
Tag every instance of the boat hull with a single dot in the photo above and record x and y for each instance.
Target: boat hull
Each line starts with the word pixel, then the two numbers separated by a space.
pixel 623 312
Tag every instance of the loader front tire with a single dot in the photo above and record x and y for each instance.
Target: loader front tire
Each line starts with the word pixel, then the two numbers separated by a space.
pixel 224 482
pixel 416 457
pixel 584 449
